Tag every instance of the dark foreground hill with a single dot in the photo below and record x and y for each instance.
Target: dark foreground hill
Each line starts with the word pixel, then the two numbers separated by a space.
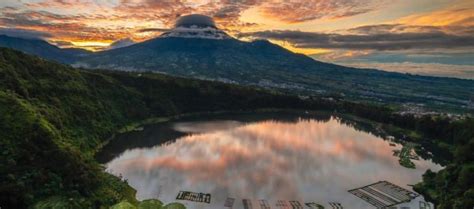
pixel 54 118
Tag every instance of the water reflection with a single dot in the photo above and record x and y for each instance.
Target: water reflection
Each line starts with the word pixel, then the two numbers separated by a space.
pixel 205 126
pixel 306 160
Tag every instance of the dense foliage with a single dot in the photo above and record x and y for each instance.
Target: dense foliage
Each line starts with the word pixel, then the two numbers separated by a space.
pixel 148 204
pixel 54 118
pixel 453 187
pixel 453 143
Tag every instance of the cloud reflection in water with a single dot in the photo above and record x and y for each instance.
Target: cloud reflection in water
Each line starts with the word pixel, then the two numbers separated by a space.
pixel 306 160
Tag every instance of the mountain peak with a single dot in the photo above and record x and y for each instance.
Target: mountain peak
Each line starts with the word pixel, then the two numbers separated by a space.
pixel 196 26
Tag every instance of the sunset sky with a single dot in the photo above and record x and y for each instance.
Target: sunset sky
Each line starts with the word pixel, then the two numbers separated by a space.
pixel 421 35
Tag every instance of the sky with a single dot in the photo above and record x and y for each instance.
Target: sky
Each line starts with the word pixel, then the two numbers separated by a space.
pixel 434 37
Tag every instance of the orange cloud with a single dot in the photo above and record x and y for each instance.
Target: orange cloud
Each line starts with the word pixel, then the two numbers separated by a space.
pixel 458 15
pixel 101 22
pixel 95 25
pixel 301 11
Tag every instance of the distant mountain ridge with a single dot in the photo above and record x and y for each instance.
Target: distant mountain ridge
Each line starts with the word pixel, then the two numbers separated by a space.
pixel 43 49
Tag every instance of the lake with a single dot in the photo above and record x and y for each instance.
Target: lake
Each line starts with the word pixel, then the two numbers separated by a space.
pixel 269 156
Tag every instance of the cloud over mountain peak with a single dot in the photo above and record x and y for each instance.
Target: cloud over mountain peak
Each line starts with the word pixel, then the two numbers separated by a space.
pixel 196 26
pixel 196 20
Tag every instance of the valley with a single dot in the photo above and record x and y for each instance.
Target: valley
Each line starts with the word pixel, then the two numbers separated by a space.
pixel 53 114
pixel 113 105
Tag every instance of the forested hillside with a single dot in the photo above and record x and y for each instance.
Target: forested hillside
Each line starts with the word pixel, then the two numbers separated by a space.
pixel 262 63
pixel 55 117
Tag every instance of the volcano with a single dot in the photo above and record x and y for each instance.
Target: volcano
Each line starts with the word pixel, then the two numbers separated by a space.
pixel 195 47
pixel 196 26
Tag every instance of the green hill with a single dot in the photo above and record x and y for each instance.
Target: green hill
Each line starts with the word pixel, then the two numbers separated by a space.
pixel 55 117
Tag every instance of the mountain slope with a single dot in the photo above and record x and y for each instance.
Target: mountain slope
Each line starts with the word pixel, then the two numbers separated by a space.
pixel 42 48
pixel 204 57
pixel 268 65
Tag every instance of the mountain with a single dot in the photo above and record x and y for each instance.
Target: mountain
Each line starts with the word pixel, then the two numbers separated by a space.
pixel 42 48
pixel 196 48
pixel 228 59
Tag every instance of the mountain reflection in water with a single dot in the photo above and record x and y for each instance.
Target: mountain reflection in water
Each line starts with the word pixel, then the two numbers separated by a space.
pixel 305 160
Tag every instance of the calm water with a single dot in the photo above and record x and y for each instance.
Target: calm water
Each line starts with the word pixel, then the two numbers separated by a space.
pixel 309 160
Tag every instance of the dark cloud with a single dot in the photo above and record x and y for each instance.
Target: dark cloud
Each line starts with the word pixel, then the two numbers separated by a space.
pixel 19 20
pixel 21 33
pixel 376 37
pixel 145 30
pixel 429 69
pixel 8 9
pixel 195 19
pixel 228 12
pixel 430 56
pixel 374 29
